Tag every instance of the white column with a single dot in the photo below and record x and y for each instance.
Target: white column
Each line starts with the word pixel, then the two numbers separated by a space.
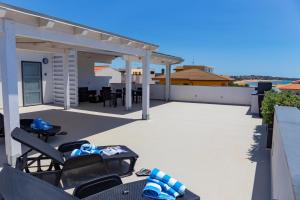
pixel 9 73
pixel 128 100
pixel 167 82
pixel 66 80
pixel 145 85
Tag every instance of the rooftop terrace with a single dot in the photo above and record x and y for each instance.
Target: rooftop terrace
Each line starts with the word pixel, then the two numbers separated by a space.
pixel 218 151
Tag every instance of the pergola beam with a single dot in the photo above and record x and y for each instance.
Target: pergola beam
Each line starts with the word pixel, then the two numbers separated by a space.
pixel 80 31
pixel 69 39
pixel 45 23
pixel 38 47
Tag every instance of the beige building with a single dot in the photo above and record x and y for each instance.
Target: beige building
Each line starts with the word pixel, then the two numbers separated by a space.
pixel 137 75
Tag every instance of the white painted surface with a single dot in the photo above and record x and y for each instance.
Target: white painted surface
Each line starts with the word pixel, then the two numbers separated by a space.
pixel 33 56
pixel 128 100
pixel 208 94
pixel 168 82
pixel 254 104
pixel 204 94
pixel 146 85
pixel 66 79
pixel 157 92
pixel 115 75
pixel 285 157
pixel 87 77
pixel 9 74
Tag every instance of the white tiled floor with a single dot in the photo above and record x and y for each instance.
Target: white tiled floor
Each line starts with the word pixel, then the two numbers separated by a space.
pixel 216 150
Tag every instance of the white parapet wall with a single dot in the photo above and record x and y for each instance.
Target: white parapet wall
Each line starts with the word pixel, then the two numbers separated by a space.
pixel 285 155
pixel 210 94
pixel 201 94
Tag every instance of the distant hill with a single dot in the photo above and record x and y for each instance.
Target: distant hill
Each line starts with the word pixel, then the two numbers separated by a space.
pixel 258 77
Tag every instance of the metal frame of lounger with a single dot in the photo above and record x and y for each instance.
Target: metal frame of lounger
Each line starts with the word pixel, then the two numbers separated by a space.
pixel 70 170
pixel 15 185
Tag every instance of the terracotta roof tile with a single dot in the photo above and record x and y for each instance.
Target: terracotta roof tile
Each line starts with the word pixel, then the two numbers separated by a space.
pixel 289 87
pixel 195 75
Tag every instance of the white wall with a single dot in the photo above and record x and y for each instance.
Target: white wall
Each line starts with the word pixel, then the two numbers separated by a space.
pixel 25 55
pixel 86 74
pixel 204 94
pixel 209 94
pixel 115 76
pixel 285 155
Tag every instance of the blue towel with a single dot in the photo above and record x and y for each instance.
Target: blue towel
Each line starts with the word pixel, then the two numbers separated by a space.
pixel 171 182
pixel 86 149
pixel 154 191
pixel 165 187
pixel 40 124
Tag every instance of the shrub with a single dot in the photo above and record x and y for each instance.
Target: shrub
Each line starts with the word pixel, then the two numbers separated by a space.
pixel 281 99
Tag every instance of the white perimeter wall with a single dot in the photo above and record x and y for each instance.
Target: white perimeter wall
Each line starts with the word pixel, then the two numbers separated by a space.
pixel 25 55
pixel 285 155
pixel 87 78
pixel 201 94
pixel 209 94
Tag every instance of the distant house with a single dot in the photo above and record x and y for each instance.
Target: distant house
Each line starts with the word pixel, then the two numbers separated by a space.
pixel 195 76
pixel 98 76
pixel 200 67
pixel 294 88
pixel 137 75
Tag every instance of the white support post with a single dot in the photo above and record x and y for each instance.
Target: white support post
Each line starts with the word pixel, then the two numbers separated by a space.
pixel 146 85
pixel 66 80
pixel 167 82
pixel 9 73
pixel 128 100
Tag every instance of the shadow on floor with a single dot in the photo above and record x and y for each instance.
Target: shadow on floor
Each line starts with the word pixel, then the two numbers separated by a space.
pixel 77 125
pixel 119 110
pixel 259 154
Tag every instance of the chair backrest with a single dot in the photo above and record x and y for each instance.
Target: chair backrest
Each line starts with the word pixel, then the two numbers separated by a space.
pixel 96 186
pixel 37 144
pixel 106 88
pixel 15 184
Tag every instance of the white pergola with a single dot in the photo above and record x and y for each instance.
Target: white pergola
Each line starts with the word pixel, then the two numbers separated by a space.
pixel 24 29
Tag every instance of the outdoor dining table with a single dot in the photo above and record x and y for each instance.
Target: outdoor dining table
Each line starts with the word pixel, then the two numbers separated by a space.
pixel 133 191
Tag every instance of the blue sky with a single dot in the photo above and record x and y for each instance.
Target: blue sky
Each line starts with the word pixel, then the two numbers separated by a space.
pixel 236 36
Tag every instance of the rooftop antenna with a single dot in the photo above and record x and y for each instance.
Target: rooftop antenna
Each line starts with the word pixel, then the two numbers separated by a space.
pixel 193 62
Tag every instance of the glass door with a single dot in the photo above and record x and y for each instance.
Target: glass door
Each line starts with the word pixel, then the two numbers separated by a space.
pixel 32 83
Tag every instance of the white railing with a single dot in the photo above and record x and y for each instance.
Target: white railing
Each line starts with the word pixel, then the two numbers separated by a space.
pixel 285 155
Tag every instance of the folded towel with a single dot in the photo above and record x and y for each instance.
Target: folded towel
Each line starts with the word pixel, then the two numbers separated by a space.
pixel 154 191
pixel 109 151
pixel 86 149
pixel 165 187
pixel 171 182
pixel 40 124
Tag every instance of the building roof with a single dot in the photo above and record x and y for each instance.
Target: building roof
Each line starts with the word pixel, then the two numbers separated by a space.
pixel 99 68
pixel 194 67
pixel 195 75
pixel 289 87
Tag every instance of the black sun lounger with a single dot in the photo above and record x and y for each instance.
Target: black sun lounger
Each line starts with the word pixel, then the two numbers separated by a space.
pixel 71 171
pixel 26 125
pixel 16 185
pixel 44 134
